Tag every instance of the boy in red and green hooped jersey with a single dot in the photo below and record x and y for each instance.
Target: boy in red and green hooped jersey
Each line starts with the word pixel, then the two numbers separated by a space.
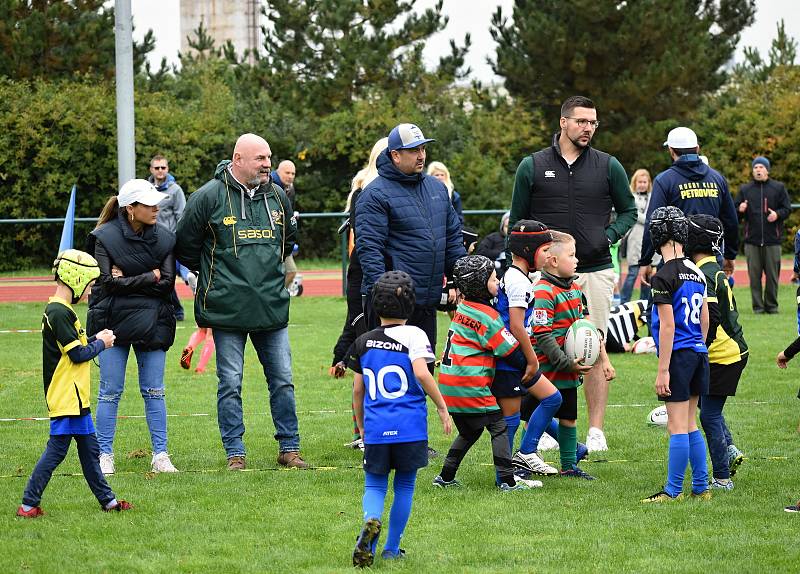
pixel 558 303
pixel 477 337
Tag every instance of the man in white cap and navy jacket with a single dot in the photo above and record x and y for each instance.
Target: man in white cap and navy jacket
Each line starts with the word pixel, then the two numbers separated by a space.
pixel 693 187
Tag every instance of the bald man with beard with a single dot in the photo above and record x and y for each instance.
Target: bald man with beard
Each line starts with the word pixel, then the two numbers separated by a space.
pixel 235 233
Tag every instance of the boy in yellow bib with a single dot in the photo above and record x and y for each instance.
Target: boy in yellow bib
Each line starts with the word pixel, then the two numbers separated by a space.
pixel 66 353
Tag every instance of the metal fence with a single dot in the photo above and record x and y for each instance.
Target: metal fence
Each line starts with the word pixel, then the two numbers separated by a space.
pixel 303 216
pixel 334 215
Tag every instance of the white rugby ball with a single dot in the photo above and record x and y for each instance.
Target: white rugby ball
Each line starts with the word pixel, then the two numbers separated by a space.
pixel 658 416
pixel 643 346
pixel 582 342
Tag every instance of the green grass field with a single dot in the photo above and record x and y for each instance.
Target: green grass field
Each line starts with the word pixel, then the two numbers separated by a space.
pixel 206 519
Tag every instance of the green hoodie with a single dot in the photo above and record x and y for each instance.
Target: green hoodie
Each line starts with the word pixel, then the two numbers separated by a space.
pixel 239 245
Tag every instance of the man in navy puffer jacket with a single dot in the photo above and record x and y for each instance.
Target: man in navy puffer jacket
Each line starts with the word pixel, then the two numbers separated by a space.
pixel 693 187
pixel 405 221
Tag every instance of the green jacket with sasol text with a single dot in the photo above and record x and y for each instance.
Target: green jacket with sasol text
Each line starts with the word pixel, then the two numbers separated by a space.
pixel 238 244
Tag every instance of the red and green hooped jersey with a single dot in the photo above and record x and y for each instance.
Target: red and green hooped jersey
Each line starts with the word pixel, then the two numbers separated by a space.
pixel 477 336
pixel 556 308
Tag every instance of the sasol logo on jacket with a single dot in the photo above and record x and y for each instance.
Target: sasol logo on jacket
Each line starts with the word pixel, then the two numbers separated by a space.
pixel 256 234
pixel 549 173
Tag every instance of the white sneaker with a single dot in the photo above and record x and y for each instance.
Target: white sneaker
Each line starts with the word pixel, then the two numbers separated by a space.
pixel 356 444
pixel 533 463
pixel 162 463
pixel 107 463
pixel 547 443
pixel 596 440
pixel 522 484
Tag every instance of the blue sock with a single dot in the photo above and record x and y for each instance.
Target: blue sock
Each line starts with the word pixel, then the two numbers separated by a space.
pixel 677 461
pixel 401 508
pixel 697 458
pixel 552 428
pixel 540 420
pixel 512 423
pixel 375 487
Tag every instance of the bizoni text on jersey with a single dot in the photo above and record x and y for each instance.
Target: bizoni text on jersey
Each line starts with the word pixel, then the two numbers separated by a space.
pixel 388 345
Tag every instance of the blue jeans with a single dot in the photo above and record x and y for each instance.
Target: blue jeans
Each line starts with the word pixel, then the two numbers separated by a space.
pixel 717 433
pixel 275 357
pixel 626 292
pixel 54 454
pixel 151 385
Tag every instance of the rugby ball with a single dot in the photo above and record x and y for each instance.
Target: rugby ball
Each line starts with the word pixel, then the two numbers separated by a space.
pixel 582 342
pixel 644 346
pixel 658 416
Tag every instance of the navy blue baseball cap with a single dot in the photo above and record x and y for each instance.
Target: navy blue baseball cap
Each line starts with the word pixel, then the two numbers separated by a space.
pixel 407 136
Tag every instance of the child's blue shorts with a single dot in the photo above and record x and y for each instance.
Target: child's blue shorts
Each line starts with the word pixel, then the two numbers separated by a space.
pixel 402 456
pixel 688 375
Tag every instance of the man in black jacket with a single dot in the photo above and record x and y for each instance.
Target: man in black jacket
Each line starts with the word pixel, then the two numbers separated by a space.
pixel 763 204
pixel 572 187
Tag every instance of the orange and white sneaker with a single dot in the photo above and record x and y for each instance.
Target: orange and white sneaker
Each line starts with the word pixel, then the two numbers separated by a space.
pixel 186 358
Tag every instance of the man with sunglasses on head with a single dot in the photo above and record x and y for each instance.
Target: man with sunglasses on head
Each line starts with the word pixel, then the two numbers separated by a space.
pixel 572 187
pixel 169 212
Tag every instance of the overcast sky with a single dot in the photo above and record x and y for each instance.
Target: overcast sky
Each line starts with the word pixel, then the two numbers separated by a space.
pixel 473 16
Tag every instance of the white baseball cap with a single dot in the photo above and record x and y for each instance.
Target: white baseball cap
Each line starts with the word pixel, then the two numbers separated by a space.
pixel 139 191
pixel 681 138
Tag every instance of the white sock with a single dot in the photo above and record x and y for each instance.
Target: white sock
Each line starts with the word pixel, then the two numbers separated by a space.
pixel 27 508
pixel 111 504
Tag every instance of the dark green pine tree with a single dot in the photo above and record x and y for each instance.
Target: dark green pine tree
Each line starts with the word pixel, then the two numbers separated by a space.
pixel 782 52
pixel 60 38
pixel 323 54
pixel 642 62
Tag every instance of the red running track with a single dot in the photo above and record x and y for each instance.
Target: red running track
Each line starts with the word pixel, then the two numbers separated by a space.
pixel 316 283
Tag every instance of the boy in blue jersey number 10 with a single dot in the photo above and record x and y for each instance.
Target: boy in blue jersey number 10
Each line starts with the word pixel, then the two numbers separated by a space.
pixel 680 324
pixel 389 388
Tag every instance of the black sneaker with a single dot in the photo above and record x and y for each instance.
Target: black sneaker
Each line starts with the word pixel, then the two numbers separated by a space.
pixel 576 472
pixel 364 552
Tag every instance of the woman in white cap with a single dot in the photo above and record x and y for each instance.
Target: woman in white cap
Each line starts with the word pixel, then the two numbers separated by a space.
pixel 132 297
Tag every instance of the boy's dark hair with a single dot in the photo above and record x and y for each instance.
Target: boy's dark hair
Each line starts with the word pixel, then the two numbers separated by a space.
pixel 668 223
pixel 705 234
pixel 573 102
pixel 393 295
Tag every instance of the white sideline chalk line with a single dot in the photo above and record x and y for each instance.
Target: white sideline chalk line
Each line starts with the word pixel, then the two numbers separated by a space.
pixel 223 470
pixel 335 412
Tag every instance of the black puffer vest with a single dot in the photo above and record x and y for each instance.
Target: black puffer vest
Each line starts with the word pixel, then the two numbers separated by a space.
pixel 575 200
pixel 140 318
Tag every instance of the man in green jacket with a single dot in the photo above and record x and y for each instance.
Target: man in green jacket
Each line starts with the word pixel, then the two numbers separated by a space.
pixel 236 231
pixel 572 187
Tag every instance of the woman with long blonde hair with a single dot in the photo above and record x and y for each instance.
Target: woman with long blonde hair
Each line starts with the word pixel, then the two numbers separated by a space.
pixel 438 170
pixel 641 188
pixel 354 325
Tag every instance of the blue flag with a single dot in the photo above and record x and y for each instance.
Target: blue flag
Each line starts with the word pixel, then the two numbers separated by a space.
pixel 69 224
